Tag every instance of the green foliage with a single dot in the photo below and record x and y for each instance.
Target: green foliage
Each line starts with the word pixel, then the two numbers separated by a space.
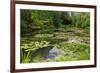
pixel 81 21
pixel 26 21
pixel 26 49
pixel 73 51
pixel 41 30
pixel 34 19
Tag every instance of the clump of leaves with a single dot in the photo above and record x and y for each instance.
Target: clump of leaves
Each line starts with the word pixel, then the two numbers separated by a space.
pixel 26 49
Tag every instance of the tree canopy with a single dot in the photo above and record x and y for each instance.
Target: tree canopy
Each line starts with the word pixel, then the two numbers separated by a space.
pixel 41 19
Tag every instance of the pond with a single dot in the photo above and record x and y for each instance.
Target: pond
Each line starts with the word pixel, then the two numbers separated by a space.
pixel 55 47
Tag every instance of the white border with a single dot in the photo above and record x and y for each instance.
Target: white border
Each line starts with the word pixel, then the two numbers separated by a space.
pixel 52 64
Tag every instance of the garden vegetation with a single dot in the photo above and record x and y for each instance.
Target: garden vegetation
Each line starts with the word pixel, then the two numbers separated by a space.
pixel 42 30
